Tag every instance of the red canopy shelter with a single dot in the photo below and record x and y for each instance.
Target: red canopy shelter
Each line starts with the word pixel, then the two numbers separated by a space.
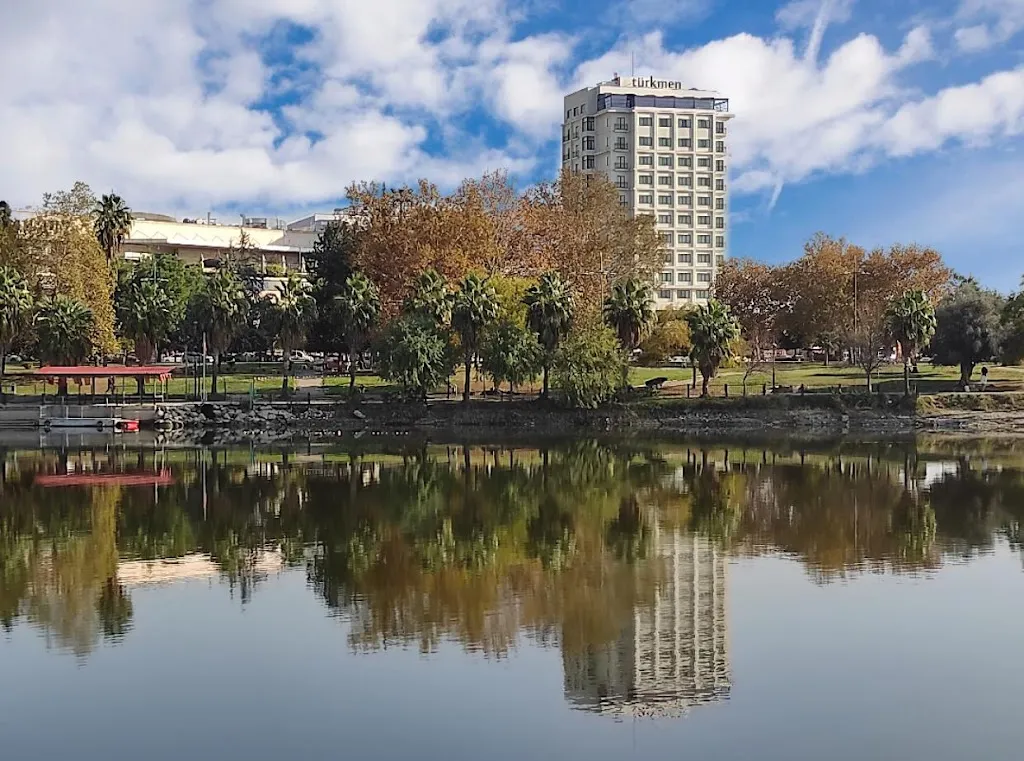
pixel 54 373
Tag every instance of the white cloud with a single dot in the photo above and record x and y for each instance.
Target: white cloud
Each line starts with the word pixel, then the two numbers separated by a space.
pixel 805 13
pixel 994 22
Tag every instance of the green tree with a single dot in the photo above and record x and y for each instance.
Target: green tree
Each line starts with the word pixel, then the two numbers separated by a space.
pixel 1012 323
pixel 431 297
pixel 66 333
pixel 712 332
pixel 510 354
pixel 329 266
pixel 629 311
pixel 415 353
pixel 144 315
pixel 220 313
pixel 589 366
pixel 912 323
pixel 550 309
pixel 293 313
pixel 475 307
pixel 968 329
pixel 359 311
pixel 112 221
pixel 669 338
pixel 16 304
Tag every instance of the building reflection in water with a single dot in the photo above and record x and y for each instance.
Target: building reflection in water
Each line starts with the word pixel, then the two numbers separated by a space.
pixel 674 652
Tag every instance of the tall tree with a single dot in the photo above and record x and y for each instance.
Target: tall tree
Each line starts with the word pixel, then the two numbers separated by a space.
pixel 145 315
pixel 550 309
pixel 415 353
pixel 16 305
pixel 112 221
pixel 294 311
pixel 431 297
pixel 66 333
pixel 476 307
pixel 758 298
pixel 712 332
pixel 968 329
pixel 329 265
pixel 510 353
pixel 220 313
pixel 912 323
pixel 359 310
pixel 629 311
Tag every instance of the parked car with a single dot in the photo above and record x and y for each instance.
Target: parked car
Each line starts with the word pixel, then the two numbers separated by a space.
pixel 302 358
pixel 195 359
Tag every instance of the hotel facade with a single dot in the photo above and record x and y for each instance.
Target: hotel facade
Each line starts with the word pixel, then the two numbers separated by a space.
pixel 665 149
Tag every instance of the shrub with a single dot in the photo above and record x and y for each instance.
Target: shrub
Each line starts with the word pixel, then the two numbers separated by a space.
pixel 510 354
pixel 415 353
pixel 589 366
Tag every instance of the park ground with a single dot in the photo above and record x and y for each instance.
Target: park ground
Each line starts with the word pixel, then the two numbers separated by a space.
pixel 265 381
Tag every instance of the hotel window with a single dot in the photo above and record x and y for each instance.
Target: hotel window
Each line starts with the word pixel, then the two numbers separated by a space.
pixel 719 260
pixel 645 121
pixel 703 182
pixel 664 200
pixel 720 146
pixel 704 144
pixel 683 294
pixel 685 161
pixel 685 277
pixel 588 162
pixel 702 294
pixel 686 258
pixel 621 181
pixel 646 141
pixel 588 143
pixel 704 161
pixel 622 163
pixel 667 259
pixel 664 219
pixel 645 179
pixel 666 238
pixel 575 111
pixel 705 240
pixel 719 241
pixel 664 161
pixel 588 124
pixel 720 223
pixel 719 165
pixel 684 219
pixel 703 200
pixel 645 160
pixel 704 123
pixel 646 198
pixel 664 122
pixel 719 184
pixel 620 144
pixel 665 180
pixel 664 142
pixel 703 258
pixel 703 277
pixel 685 200
pixel 720 128
pixel 664 294
pixel 684 123
pixel 666 277
pixel 685 181
pixel 621 125
pixel 623 202
pixel 703 219
pixel 719 203
pixel 684 239
pixel 684 142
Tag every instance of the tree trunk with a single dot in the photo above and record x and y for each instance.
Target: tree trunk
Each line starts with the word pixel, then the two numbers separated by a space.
pixel 140 385
pixel 906 375
pixel 469 364
pixel 867 374
pixel 966 370
pixel 3 364
pixel 286 376
pixel 353 358
pixel 213 373
pixel 704 384
pixel 544 388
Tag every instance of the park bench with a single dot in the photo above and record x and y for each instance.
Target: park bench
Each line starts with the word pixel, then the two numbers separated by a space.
pixel 655 384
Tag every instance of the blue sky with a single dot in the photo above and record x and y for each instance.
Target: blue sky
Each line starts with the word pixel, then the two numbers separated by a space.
pixel 875 120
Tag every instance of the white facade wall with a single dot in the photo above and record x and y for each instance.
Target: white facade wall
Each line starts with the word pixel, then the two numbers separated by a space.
pixel 665 148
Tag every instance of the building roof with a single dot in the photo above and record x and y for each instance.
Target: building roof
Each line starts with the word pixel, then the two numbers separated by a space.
pixel 111 371
pixel 162 478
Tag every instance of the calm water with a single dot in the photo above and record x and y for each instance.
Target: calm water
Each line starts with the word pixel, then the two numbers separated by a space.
pixel 594 601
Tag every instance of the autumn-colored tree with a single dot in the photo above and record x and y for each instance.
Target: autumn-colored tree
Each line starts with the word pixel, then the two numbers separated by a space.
pixel 578 228
pixel 757 297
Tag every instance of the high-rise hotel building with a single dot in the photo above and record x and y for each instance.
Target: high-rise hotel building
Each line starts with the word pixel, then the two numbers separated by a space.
pixel 664 147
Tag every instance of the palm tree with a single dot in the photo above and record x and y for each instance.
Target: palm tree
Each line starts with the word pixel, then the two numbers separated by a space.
pixel 912 322
pixel 16 306
pixel 475 307
pixel 431 297
pixel 222 311
pixel 629 311
pixel 145 316
pixel 550 308
pixel 712 333
pixel 359 304
pixel 66 330
pixel 112 221
pixel 293 313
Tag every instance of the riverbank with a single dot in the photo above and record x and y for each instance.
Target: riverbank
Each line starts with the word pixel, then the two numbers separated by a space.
pixel 817 415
